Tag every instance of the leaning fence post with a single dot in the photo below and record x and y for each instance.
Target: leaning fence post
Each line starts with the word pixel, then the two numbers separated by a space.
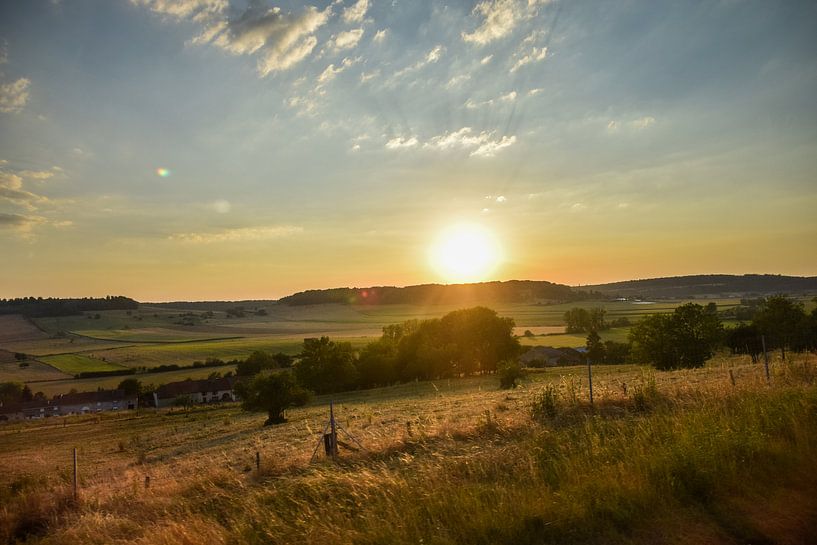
pixel 76 492
pixel 258 461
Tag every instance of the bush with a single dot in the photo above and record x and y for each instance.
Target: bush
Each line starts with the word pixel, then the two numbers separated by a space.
pixel 545 404
pixel 509 374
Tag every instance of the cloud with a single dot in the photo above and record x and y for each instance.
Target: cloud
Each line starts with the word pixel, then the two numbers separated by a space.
pixel 241 234
pixel 14 96
pixel 483 144
pixel 198 10
pixel 642 122
pixel 17 221
pixel 380 36
pixel 507 97
pixel 401 143
pixel 486 59
pixel 501 199
pixel 638 124
pixel 366 76
pixel 280 40
pixel 331 71
pixel 536 54
pixel 434 55
pixel 456 81
pixel 221 206
pixel 499 19
pixel 346 40
pixel 39 174
pixel 356 12
pixel 431 57
pixel 11 190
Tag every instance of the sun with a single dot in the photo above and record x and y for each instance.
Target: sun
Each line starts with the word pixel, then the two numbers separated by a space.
pixel 465 253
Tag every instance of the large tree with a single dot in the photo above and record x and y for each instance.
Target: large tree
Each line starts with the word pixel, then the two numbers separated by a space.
pixel 272 392
pixel 326 366
pixel 685 338
pixel 782 321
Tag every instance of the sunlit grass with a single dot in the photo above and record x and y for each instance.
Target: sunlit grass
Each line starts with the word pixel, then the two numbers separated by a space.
pixel 682 455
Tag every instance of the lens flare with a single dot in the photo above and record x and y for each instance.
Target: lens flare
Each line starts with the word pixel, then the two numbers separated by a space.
pixel 162 172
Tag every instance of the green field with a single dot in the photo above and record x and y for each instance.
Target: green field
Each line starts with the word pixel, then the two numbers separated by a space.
pixel 152 336
pixel 151 355
pixel 574 340
pixel 52 387
pixel 74 364
pixel 149 335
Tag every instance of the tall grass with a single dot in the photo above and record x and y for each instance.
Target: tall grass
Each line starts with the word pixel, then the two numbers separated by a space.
pixel 677 459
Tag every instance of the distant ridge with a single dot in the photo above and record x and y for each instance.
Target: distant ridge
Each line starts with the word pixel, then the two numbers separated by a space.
pixel 708 284
pixel 517 291
pixel 540 291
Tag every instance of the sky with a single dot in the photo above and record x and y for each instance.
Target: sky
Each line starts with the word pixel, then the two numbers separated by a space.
pixel 228 149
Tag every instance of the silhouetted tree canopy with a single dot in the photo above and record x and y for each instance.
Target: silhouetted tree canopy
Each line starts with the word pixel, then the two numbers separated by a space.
pixel 272 392
pixel 685 338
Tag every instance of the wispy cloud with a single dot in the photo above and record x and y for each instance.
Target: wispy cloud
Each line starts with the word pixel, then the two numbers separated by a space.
pixel 381 35
pixel 11 190
pixel 356 12
pixel 14 96
pixel 506 98
pixel 346 40
pixel 499 18
pixel 483 144
pixel 535 54
pixel 431 57
pixel 331 71
pixel 280 40
pixel 402 142
pixel 241 234
pixel 18 221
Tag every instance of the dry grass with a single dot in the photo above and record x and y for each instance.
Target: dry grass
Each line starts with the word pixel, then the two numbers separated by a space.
pixel 675 457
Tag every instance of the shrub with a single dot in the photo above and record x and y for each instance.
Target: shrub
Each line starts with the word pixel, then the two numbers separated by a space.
pixel 509 374
pixel 545 404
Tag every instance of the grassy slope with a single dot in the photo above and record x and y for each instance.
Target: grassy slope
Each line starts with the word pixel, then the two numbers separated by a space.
pixel 77 363
pixel 683 457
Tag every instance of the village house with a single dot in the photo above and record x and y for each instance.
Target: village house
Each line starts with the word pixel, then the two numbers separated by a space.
pixel 73 403
pixel 214 390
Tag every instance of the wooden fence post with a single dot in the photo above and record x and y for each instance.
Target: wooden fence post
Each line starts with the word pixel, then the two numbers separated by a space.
pixel 76 492
pixel 258 461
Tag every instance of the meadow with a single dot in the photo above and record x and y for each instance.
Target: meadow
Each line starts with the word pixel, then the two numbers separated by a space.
pixel 158 335
pixel 696 456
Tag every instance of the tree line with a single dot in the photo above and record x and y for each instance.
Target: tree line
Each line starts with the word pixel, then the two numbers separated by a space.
pixel 50 306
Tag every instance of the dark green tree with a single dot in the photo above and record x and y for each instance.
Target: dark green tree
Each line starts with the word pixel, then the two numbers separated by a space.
pixel 781 320
pixel 325 366
pixel 11 392
pixel 273 393
pixel 685 338
pixel 131 386
pixel 595 348
pixel 577 320
pixel 255 363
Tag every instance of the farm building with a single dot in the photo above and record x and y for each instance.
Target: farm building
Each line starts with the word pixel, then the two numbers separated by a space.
pixel 94 402
pixel 199 391
pixel 65 404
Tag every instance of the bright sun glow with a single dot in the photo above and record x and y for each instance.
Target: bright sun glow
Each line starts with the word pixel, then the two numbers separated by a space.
pixel 465 253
